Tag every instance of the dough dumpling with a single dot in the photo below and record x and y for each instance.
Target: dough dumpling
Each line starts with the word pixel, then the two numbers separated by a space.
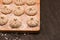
pixel 19 2
pixel 6 1
pixel 31 11
pixel 18 11
pixel 3 20
pixel 6 10
pixel 15 23
pixel 30 2
pixel 32 22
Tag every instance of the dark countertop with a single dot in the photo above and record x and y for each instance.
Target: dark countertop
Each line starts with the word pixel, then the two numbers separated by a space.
pixel 50 24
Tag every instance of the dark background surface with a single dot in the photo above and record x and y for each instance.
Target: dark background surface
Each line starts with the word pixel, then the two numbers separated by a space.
pixel 50 24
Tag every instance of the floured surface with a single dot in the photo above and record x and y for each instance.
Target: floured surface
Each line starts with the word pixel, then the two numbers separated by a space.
pixel 23 17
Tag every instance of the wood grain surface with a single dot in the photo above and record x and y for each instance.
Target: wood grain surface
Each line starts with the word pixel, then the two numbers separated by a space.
pixel 50 23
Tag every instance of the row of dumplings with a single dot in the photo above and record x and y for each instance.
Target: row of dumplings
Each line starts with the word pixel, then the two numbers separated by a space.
pixel 19 10
pixel 16 22
pixel 19 2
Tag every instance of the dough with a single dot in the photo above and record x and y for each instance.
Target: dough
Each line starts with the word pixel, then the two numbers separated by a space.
pixel 31 11
pixel 3 19
pixel 19 2
pixel 30 2
pixel 6 10
pixel 6 1
pixel 32 22
pixel 15 23
pixel 19 11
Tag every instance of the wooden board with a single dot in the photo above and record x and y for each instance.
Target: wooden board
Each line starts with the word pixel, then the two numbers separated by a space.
pixel 23 18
